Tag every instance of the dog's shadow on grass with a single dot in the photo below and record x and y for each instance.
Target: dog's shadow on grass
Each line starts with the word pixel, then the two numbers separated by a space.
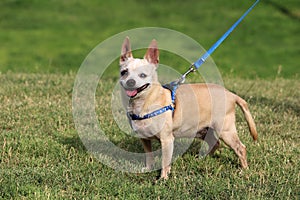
pixel 97 145
pixel 97 148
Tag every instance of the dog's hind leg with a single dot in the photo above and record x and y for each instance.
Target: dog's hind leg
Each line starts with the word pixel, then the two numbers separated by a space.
pixel 209 137
pixel 231 139
pixel 227 132
pixel 212 149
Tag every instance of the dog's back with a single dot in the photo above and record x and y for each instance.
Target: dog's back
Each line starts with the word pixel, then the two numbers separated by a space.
pixel 199 106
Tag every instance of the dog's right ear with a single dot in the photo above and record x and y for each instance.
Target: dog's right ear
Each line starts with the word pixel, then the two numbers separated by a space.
pixel 125 51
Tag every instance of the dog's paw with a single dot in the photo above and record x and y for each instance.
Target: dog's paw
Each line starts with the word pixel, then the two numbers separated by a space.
pixel 165 173
pixel 164 178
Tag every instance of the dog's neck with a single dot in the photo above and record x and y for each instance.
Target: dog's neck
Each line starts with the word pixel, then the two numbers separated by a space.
pixel 142 103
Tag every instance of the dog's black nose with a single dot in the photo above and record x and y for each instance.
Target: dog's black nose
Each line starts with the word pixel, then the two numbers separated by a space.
pixel 130 83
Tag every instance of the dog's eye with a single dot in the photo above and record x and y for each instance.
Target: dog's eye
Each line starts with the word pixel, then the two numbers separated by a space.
pixel 142 75
pixel 124 72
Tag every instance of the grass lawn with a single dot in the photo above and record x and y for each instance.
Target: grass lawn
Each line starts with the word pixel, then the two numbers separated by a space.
pixel 43 44
pixel 42 156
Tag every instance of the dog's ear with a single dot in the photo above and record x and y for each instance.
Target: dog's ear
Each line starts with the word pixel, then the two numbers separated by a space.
pixel 125 51
pixel 152 54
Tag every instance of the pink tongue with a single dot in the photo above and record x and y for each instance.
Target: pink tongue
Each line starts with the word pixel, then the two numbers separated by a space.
pixel 131 93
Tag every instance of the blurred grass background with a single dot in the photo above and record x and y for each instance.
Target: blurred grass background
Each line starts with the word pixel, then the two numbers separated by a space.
pixel 55 36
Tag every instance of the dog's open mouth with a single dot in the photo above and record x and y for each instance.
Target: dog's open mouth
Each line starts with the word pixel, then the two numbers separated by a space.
pixel 133 93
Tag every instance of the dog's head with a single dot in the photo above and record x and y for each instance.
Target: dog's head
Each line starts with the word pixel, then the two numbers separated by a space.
pixel 138 75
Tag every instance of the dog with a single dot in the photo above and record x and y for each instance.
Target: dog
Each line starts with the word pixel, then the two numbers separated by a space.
pixel 196 109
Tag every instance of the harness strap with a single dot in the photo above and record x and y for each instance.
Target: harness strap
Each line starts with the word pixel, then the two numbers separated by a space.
pixel 172 87
pixel 133 116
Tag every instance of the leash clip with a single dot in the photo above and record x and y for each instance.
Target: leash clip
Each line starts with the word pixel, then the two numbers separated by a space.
pixel 191 69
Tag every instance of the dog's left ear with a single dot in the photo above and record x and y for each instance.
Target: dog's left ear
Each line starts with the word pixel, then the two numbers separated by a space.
pixel 125 51
pixel 152 54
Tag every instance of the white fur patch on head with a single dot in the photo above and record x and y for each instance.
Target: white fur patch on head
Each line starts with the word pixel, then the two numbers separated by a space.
pixel 135 63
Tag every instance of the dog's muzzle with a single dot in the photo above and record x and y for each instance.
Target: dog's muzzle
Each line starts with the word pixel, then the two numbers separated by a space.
pixel 133 92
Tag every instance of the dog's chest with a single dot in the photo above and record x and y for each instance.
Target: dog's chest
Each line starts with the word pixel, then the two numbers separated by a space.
pixel 143 128
pixel 148 128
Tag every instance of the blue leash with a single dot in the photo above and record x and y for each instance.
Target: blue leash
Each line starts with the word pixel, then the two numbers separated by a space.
pixel 203 58
pixel 174 85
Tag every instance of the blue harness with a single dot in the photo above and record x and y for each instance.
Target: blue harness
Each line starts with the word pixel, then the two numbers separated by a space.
pixel 172 87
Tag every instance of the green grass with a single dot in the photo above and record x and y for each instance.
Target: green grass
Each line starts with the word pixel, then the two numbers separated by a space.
pixel 43 44
pixel 42 156
pixel 56 36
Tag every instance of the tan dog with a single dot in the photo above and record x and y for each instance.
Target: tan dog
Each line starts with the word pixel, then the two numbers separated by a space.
pixel 198 108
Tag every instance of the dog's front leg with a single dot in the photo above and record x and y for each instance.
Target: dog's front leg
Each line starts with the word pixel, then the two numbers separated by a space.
pixel 149 155
pixel 167 146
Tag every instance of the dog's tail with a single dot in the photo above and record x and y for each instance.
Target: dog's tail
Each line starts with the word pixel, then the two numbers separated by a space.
pixel 243 105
